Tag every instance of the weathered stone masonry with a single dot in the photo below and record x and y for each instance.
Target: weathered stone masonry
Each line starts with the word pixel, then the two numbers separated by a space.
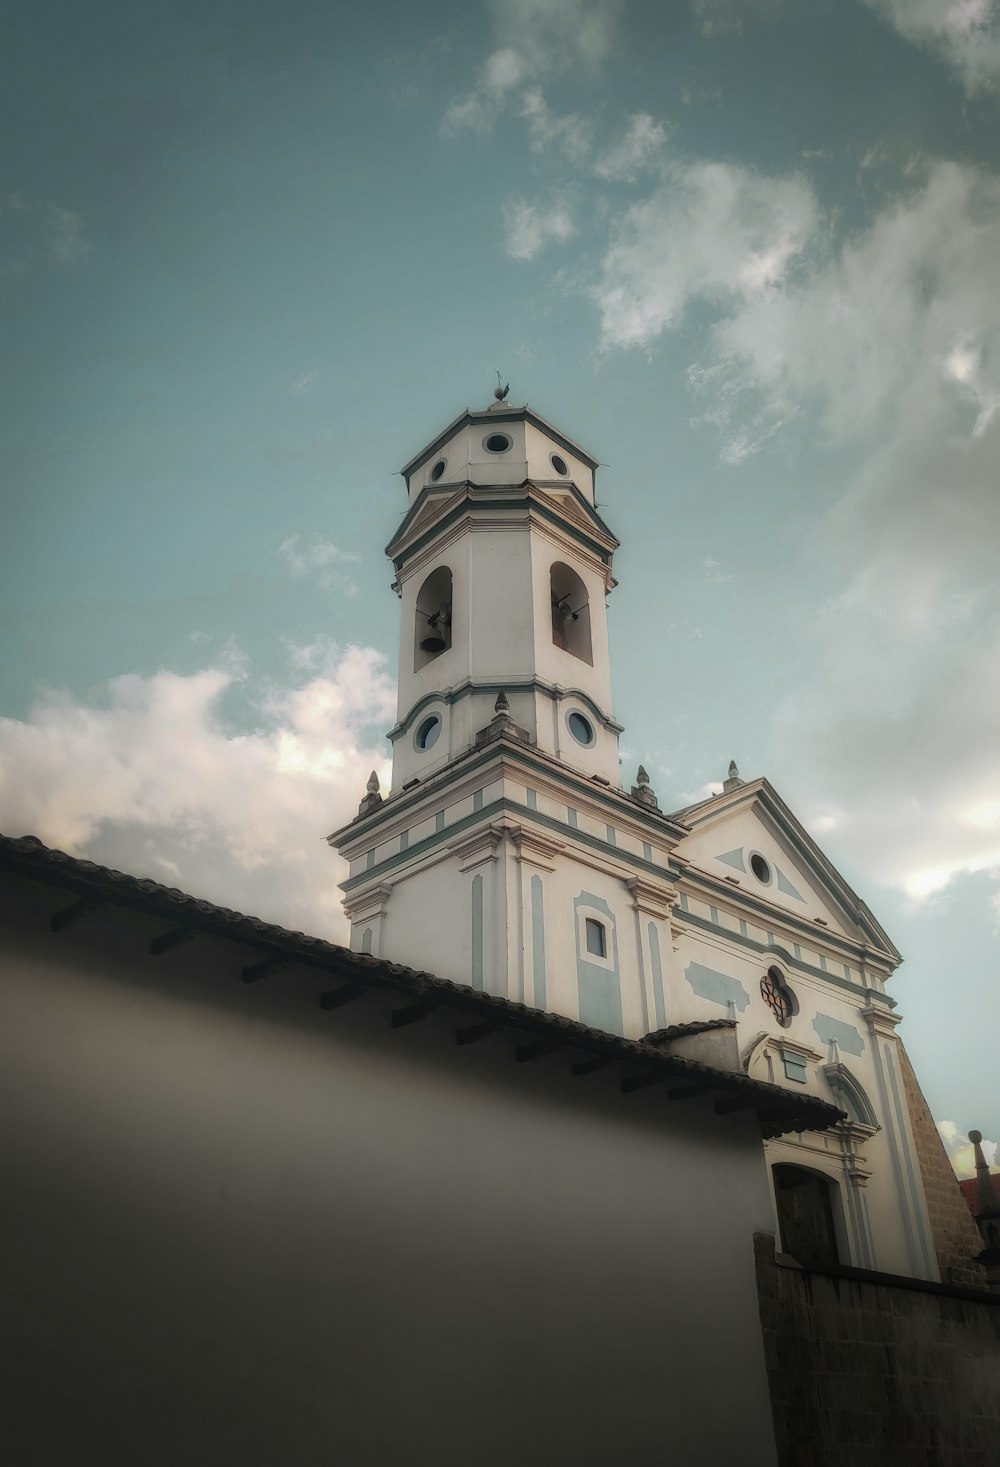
pixel 878 1372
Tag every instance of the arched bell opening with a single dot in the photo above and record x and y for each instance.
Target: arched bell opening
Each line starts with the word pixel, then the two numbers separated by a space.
pixel 570 613
pixel 807 1204
pixel 432 632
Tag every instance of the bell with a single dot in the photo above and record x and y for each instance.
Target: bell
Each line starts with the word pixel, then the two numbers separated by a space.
pixel 434 643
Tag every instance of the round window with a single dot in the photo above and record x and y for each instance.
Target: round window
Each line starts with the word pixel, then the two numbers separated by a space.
pixel 498 442
pixel 559 464
pixel 760 868
pixel 438 470
pixel 428 732
pixel 581 729
pixel 777 997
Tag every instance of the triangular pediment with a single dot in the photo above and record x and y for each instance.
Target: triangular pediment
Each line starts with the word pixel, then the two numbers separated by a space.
pixel 749 837
pixel 435 506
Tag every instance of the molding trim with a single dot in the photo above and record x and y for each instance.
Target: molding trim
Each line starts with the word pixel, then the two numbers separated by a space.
pixel 478 848
pixel 368 905
pixel 471 686
pixel 650 897
pixel 534 848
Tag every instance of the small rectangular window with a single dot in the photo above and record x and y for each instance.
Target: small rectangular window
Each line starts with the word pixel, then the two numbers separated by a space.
pixel 596 940
pixel 795 1068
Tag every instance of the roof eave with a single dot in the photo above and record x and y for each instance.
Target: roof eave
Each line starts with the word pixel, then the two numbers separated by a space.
pixel 778 1111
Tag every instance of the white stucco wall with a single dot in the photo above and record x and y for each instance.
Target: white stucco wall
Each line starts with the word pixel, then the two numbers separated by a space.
pixel 237 1229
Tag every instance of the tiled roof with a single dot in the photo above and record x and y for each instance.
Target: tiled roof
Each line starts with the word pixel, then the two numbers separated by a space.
pixel 779 1111
pixel 970 1190
pixel 699 1026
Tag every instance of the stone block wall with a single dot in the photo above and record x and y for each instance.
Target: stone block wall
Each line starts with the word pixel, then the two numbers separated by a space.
pixel 875 1371
pixel 956 1236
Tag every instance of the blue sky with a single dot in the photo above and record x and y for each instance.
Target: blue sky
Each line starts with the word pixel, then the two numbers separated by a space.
pixel 253 256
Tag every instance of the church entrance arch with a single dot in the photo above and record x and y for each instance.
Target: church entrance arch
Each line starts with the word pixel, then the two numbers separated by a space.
pixel 807 1207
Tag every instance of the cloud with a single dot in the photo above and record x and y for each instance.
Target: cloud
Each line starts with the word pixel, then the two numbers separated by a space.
pixel 570 134
pixel 886 344
pixel 964 33
pixel 890 345
pixel 313 557
pixel 726 17
pixel 535 38
pixel 960 1152
pixel 714 572
pixel 303 383
pixel 529 227
pixel 151 780
pixel 634 150
pixel 33 230
pixel 711 230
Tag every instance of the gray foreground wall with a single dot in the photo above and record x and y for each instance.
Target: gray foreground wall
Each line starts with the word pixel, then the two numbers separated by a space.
pixel 238 1230
pixel 871 1373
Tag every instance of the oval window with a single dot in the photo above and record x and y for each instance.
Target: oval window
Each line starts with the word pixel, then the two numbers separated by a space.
pixel 428 732
pixel 438 470
pixel 760 868
pixel 581 729
pixel 497 442
pixel 559 464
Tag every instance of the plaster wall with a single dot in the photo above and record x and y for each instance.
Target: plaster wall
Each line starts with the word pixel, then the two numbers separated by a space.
pixel 528 458
pixel 743 833
pixel 540 447
pixel 240 1230
pixel 710 970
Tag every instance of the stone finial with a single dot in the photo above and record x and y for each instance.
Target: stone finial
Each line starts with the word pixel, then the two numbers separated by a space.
pixel 502 724
pixel 987 1215
pixel 500 391
pixel 732 781
pixel 374 795
pixel 642 791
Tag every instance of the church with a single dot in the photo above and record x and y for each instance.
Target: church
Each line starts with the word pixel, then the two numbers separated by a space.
pixel 571 893
pixel 598 1142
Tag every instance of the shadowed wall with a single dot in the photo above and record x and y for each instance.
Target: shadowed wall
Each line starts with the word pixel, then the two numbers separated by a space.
pixel 240 1230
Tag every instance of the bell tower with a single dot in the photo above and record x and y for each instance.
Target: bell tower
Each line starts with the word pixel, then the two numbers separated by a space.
pixel 502 568
pixel 506 854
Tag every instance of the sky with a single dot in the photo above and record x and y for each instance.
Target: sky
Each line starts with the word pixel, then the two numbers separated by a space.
pixel 254 255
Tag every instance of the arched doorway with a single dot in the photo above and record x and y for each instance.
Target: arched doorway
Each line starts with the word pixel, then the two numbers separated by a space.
pixel 805 1207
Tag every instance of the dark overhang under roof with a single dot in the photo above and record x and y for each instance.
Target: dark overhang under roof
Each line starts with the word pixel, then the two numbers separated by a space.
pixel 356 975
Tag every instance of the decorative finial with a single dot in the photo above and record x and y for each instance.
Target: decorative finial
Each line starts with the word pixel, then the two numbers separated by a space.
pixel 733 781
pixel 502 706
pixel 642 792
pixel 987 1215
pixel 989 1202
pixel 374 795
pixel 500 392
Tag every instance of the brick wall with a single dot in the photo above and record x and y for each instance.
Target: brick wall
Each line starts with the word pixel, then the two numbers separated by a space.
pixel 877 1372
pixel 956 1236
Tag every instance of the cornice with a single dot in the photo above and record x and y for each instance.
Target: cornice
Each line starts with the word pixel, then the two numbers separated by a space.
pixel 697 881
pixel 526 497
pixel 468 687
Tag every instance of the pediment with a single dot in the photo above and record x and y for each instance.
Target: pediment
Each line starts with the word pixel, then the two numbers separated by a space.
pixel 749 837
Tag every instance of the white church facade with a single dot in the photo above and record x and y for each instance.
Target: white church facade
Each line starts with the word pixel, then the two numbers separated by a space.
pixel 508 855
pixel 489 1184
